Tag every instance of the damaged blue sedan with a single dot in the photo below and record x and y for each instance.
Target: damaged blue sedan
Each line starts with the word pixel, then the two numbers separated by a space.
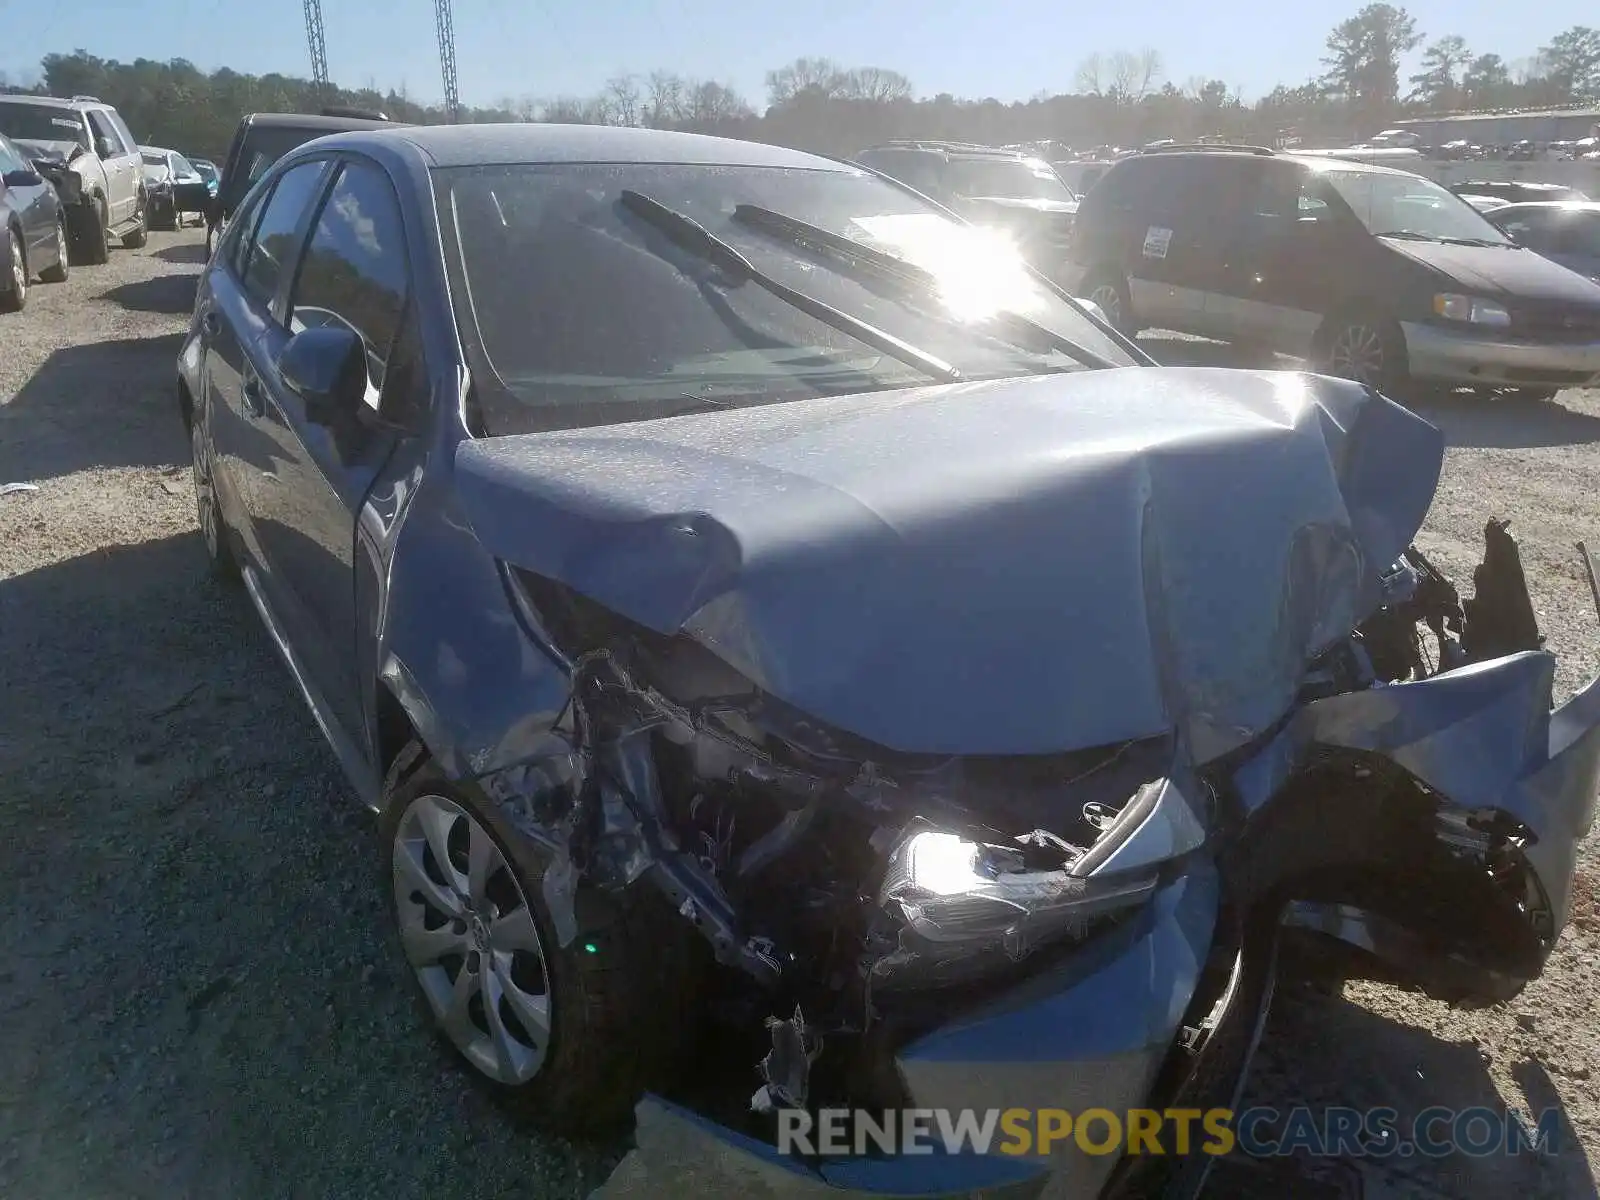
pixel 801 660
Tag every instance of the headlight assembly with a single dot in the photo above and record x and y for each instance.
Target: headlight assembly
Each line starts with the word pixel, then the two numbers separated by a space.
pixel 1471 310
pixel 957 908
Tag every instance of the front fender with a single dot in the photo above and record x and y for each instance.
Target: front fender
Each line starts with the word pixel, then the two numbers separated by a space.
pixel 1480 740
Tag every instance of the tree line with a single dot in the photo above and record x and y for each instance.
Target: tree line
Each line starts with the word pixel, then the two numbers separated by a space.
pixel 1119 98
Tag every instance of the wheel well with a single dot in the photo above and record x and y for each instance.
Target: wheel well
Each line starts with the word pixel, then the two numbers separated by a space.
pixel 394 728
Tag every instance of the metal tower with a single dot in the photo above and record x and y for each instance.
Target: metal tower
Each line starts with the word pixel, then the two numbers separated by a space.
pixel 447 56
pixel 318 43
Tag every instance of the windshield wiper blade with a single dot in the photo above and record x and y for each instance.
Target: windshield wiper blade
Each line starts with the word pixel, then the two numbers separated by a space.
pixel 1409 235
pixel 854 254
pixel 694 237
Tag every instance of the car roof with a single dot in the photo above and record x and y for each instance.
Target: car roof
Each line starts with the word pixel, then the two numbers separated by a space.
pixel 478 145
pixel 272 120
pixel 53 102
pixel 1551 206
pixel 47 101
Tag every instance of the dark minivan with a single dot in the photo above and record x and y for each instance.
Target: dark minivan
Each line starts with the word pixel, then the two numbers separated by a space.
pixel 1371 273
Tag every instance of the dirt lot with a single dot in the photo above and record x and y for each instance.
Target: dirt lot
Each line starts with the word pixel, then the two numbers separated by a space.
pixel 198 994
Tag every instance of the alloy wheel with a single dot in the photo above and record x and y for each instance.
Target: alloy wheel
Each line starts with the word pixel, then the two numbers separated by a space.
pixel 1356 352
pixel 471 938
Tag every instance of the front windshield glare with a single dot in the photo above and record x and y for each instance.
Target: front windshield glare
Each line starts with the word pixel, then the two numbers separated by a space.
pixel 589 315
pixel 1408 204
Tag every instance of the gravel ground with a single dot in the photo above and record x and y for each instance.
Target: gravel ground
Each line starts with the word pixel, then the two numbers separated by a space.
pixel 198 991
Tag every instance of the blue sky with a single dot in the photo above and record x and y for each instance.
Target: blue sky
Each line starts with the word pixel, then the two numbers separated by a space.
pixel 1010 49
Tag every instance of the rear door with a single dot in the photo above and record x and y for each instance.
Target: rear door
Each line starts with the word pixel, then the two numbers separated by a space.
pixel 355 272
pixel 1183 206
pixel 1290 258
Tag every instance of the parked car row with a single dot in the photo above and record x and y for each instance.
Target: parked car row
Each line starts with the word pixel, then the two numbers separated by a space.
pixel 75 178
pixel 771 622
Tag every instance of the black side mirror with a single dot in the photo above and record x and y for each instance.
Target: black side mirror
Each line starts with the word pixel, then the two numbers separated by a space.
pixel 326 366
pixel 22 179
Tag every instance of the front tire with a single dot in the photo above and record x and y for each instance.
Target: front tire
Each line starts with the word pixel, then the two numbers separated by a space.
pixel 141 232
pixel 59 272
pixel 569 1036
pixel 14 297
pixel 1368 349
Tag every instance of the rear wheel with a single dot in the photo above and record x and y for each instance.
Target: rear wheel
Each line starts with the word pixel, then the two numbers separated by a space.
pixel 58 273
pixel 15 284
pixel 141 232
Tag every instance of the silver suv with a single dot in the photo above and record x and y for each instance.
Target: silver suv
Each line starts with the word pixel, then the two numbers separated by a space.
pixel 87 151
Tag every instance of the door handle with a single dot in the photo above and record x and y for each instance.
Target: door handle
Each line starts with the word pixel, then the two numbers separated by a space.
pixel 255 401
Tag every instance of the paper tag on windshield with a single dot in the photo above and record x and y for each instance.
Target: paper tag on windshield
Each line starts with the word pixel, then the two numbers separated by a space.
pixel 1156 241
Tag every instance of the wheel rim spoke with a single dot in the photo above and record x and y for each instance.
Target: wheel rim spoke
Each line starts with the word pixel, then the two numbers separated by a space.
pixel 457 1016
pixel 425 947
pixel 512 1056
pixel 515 930
pixel 435 821
pixel 532 1011
pixel 483 860
pixel 411 870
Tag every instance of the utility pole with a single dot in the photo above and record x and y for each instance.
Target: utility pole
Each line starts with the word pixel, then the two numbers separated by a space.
pixel 319 46
pixel 447 57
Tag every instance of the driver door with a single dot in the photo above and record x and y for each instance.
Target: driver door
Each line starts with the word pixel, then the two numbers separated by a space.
pixel 354 273
pixel 123 165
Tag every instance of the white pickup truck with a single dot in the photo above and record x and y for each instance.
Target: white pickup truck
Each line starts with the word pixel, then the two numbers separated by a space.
pixel 86 150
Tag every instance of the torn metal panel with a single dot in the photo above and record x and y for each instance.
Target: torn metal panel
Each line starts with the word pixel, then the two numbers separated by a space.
pixel 842 552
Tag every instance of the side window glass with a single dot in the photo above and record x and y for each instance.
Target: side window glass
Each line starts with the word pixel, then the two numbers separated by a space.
pixel 105 129
pixel 1580 234
pixel 8 160
pixel 129 142
pixel 271 247
pixel 354 271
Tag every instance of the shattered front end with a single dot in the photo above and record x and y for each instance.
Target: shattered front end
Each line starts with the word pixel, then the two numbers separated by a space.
pixel 948 847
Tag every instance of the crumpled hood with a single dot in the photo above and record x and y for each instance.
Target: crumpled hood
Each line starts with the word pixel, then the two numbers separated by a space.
pixel 65 151
pixel 1494 271
pixel 1022 566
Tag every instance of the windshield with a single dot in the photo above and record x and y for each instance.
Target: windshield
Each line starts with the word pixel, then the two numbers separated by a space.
pixel 1408 205
pixel 1011 179
pixel 181 165
pixel 590 315
pixel 40 123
